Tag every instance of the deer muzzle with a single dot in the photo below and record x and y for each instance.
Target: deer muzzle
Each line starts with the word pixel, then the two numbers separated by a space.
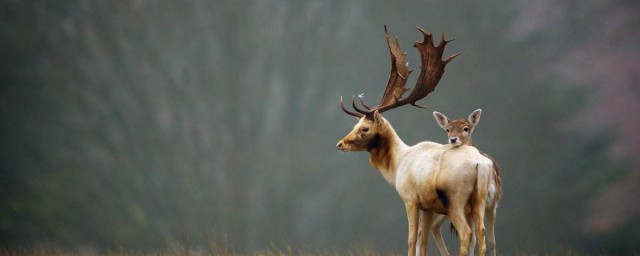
pixel 455 140
pixel 341 145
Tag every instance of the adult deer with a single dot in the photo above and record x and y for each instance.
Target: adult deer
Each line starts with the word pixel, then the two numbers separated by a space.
pixel 459 132
pixel 429 177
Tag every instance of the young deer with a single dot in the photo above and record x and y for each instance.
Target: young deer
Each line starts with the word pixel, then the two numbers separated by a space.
pixel 429 177
pixel 459 133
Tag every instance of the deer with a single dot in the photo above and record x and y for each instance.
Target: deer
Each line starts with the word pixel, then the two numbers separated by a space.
pixel 459 132
pixel 431 178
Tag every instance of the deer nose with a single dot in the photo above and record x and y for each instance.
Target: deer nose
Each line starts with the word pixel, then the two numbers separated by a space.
pixel 453 140
pixel 339 145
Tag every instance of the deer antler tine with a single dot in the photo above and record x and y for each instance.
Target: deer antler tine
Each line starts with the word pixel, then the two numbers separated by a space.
pixel 364 104
pixel 444 41
pixel 358 115
pixel 450 57
pixel 424 32
pixel 418 106
pixel 427 37
pixel 353 104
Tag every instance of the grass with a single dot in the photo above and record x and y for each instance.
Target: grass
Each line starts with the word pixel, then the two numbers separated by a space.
pixel 215 249
pixel 222 250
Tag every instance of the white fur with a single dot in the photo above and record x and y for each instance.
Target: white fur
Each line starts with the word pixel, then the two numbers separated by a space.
pixel 492 191
pixel 418 171
pixel 492 197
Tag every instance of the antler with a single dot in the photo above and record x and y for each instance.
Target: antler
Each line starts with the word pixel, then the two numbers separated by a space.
pixel 431 70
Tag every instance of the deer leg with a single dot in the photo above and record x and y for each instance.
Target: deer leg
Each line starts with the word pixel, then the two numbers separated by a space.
pixel 412 217
pixel 459 221
pixel 438 219
pixel 491 222
pixel 423 237
pixel 420 246
pixel 472 246
pixel 478 222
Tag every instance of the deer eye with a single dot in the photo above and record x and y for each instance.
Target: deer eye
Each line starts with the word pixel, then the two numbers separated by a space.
pixel 466 129
pixel 447 130
pixel 365 129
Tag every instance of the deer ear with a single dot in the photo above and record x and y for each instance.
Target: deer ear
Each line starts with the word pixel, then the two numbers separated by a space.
pixel 474 118
pixel 441 119
pixel 377 118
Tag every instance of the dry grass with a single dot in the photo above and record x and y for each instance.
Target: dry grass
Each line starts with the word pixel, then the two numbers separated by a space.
pixel 223 250
pixel 217 250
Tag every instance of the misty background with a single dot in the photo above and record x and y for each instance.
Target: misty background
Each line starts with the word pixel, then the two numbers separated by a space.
pixel 160 125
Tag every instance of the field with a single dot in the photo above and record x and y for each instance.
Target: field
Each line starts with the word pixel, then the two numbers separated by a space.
pixel 356 250
pixel 214 250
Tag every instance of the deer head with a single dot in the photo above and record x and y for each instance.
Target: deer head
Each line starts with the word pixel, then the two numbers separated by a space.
pixel 459 130
pixel 432 66
pixel 364 136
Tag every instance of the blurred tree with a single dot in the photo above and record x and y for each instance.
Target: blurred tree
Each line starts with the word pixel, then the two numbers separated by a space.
pixel 163 125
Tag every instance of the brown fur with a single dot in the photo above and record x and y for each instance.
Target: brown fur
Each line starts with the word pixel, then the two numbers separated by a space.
pixel 496 175
pixel 381 153
pixel 457 127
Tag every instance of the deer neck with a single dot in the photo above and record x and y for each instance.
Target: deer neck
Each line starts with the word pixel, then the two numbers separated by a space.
pixel 470 142
pixel 384 150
